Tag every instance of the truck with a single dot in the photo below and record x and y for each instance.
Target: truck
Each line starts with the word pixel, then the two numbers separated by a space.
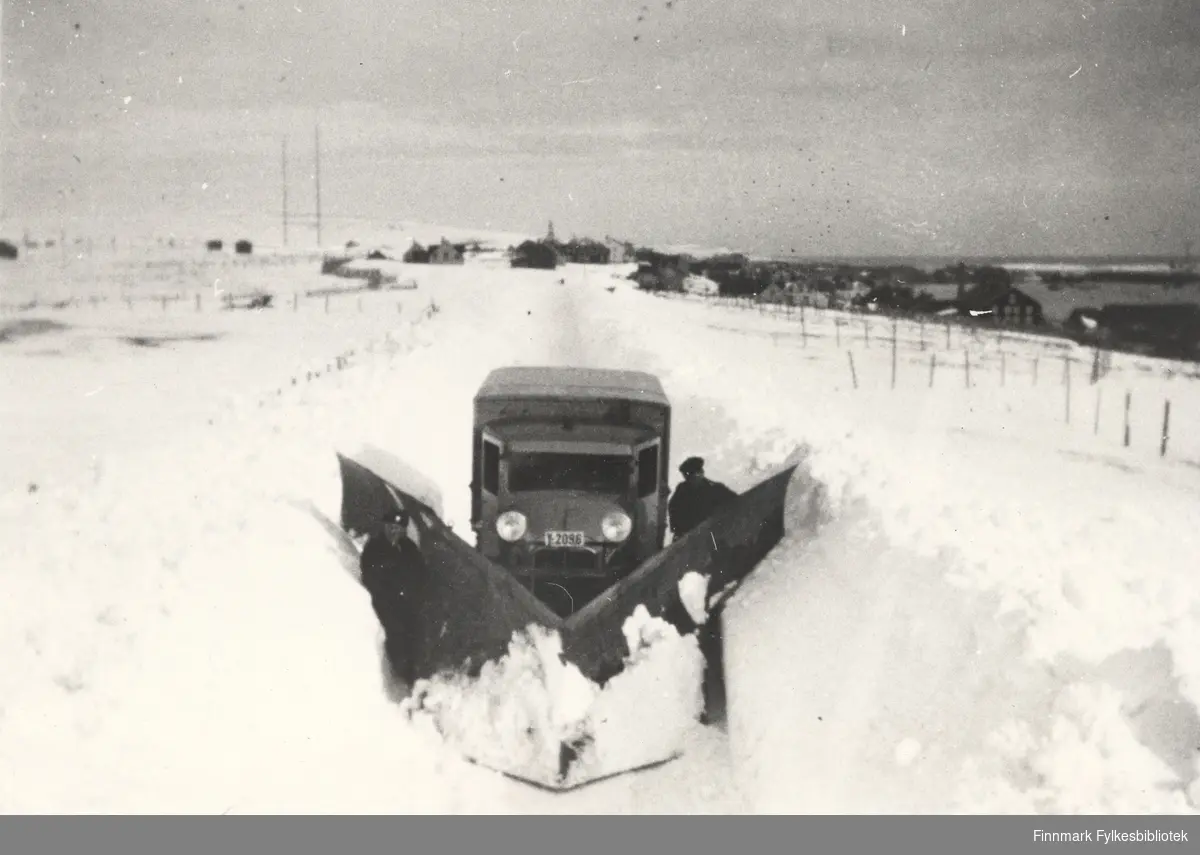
pixel 569 489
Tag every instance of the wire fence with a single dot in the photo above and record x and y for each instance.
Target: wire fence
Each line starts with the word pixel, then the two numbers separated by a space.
pixel 1122 396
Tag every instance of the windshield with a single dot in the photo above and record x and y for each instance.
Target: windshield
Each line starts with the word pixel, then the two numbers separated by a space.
pixel 593 473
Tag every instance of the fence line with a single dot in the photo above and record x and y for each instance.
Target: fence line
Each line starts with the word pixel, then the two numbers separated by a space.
pixel 1099 359
pixel 1097 362
pixel 199 300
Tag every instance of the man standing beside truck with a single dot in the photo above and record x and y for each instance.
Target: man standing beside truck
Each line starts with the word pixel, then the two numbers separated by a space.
pixel 393 572
pixel 696 498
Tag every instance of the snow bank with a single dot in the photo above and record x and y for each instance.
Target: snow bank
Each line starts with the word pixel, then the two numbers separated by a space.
pixel 864 678
pixel 535 716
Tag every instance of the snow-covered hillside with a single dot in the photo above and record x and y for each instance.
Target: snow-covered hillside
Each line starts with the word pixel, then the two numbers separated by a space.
pixel 998 615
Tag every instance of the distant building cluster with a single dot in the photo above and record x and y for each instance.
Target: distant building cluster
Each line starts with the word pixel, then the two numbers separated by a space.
pixel 443 253
pixel 1152 313
pixel 549 252
pixel 241 247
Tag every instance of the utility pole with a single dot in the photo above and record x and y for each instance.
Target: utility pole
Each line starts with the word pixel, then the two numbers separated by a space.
pixel 285 191
pixel 3 199
pixel 317 177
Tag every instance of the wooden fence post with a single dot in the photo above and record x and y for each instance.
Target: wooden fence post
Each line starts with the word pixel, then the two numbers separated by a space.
pixel 932 367
pixel 967 368
pixel 1166 428
pixel 894 325
pixel 1003 369
pixel 837 325
pixel 866 333
pixel 327 304
pixel 853 373
pixel 1128 402
pixel 1096 422
pixel 1035 368
pixel 1067 384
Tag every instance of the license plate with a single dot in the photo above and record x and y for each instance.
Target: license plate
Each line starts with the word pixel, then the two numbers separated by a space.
pixel 564 538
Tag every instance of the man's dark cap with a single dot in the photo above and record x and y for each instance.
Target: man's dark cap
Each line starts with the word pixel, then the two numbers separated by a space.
pixel 692 466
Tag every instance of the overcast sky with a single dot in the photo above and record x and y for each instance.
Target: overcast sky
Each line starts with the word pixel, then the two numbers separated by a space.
pixel 923 127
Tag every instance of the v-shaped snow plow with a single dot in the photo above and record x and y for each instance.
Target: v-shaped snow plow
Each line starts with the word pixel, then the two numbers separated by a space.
pixel 567 574
pixel 473 608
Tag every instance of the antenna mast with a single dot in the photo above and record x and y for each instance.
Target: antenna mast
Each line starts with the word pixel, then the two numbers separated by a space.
pixel 317 177
pixel 285 199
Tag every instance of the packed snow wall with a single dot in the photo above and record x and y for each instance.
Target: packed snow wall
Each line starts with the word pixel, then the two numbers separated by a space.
pixel 869 675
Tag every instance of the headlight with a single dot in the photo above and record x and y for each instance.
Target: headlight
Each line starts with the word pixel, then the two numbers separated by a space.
pixel 616 526
pixel 511 525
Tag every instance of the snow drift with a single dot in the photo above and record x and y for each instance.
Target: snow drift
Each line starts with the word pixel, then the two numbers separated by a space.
pixel 535 716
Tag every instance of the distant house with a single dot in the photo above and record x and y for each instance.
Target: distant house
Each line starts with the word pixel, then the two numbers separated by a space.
pixel 213 245
pixel 445 253
pixel 936 297
pixel 416 254
pixel 536 254
pixel 737 276
pixel 884 296
pixel 619 252
pixel 243 247
pixel 1059 300
pixel 673 269
pixel 8 250
pixel 585 252
pixel 1166 330
pixel 646 278
pixel 1001 304
pixel 723 265
pixel 661 272
pixel 334 263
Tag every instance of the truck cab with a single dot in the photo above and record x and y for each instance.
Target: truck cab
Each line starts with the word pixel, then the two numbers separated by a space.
pixel 569 482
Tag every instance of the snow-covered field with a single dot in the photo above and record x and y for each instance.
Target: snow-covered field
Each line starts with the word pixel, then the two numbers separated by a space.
pixel 999 614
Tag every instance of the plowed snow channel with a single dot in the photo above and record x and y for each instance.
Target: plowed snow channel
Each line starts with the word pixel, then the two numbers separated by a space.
pixel 998 614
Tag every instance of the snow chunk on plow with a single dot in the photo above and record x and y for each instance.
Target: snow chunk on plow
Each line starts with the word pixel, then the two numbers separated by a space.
pixel 693 593
pixel 534 716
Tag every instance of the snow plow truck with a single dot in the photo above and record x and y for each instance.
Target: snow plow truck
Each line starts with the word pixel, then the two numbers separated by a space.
pixel 569 498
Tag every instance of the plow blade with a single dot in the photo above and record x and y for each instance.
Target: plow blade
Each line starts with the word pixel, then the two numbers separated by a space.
pixel 471 606
pixel 723 550
pixel 473 610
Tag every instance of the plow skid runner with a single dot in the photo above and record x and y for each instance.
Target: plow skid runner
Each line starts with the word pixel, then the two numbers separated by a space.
pixel 472 608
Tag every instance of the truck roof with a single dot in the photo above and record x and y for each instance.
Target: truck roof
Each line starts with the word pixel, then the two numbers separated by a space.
pixel 613 436
pixel 535 381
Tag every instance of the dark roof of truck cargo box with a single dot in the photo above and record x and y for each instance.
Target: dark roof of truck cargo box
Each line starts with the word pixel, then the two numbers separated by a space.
pixel 536 381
